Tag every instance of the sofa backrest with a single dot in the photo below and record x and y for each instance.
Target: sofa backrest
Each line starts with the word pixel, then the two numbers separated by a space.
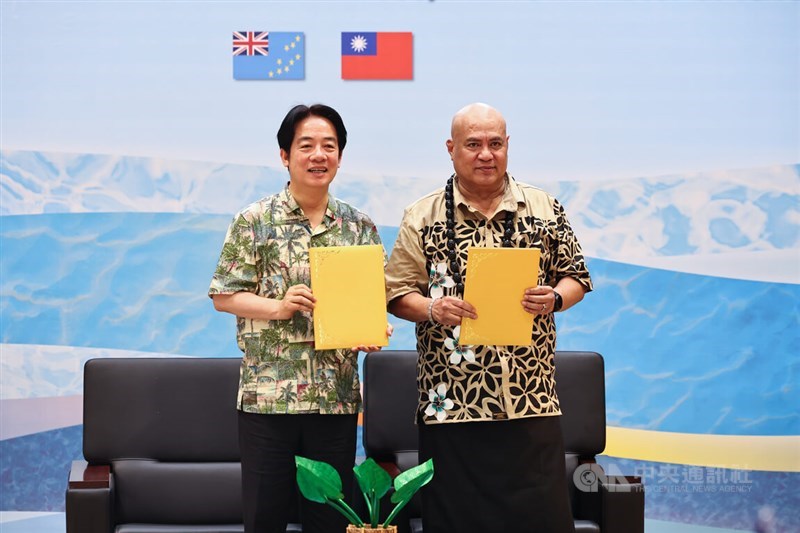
pixel 390 401
pixel 165 409
pixel 581 389
pixel 168 428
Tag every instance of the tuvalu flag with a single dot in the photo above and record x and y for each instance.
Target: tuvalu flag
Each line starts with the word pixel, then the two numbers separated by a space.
pixel 377 55
pixel 273 55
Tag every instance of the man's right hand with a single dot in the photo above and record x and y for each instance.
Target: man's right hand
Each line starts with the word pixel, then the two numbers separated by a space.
pixel 449 310
pixel 297 298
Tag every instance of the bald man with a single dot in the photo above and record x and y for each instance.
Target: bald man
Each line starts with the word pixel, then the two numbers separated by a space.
pixel 488 415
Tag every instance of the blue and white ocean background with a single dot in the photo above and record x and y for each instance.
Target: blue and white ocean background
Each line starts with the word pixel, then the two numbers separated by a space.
pixel 695 307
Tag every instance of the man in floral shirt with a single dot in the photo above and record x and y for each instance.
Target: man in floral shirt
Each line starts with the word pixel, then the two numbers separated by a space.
pixel 488 414
pixel 263 278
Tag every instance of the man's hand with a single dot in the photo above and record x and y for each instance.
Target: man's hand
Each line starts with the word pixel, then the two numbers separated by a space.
pixel 449 310
pixel 539 300
pixel 297 298
pixel 356 349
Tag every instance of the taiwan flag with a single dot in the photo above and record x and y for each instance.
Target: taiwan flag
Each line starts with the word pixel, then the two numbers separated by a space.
pixel 377 55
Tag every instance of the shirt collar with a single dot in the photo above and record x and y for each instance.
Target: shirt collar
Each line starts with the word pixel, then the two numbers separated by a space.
pixel 293 208
pixel 289 203
pixel 512 196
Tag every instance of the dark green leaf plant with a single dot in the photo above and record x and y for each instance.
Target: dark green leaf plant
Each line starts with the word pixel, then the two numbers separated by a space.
pixel 320 482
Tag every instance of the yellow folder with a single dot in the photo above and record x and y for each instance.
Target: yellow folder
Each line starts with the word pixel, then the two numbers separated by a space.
pixel 348 283
pixel 495 285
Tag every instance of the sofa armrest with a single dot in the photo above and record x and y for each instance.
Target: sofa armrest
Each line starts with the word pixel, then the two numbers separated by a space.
pixel 89 497
pixel 391 468
pixel 622 501
pixel 85 476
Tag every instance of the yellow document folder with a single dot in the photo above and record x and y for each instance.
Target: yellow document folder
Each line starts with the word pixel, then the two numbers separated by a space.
pixel 348 283
pixel 495 286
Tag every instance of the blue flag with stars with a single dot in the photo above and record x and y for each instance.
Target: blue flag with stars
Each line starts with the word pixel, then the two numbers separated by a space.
pixel 274 55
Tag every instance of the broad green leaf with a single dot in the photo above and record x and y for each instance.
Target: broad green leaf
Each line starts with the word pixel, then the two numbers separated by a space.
pixel 318 481
pixel 410 481
pixel 407 484
pixel 374 483
pixel 372 478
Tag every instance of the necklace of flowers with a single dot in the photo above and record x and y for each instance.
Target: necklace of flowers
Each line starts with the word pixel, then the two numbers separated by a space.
pixel 450 206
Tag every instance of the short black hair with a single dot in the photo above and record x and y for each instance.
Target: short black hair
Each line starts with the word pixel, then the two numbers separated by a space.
pixel 301 112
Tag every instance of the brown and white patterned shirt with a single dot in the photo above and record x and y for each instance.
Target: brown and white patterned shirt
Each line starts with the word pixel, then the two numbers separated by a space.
pixel 470 383
pixel 266 252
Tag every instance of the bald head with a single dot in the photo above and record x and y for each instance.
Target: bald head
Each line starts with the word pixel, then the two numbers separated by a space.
pixel 474 113
pixel 478 147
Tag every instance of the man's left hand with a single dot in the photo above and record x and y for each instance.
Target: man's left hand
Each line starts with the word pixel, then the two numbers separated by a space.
pixel 539 300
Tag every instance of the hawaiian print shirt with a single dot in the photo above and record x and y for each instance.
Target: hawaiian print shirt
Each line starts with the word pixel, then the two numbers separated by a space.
pixel 460 383
pixel 265 252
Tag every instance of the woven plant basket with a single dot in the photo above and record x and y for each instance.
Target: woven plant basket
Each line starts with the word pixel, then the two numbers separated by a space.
pixel 355 529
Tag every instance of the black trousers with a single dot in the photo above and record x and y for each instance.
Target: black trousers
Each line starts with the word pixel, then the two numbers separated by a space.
pixel 268 445
pixel 496 476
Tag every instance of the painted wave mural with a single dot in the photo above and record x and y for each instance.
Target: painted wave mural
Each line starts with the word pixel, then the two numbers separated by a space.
pixel 695 310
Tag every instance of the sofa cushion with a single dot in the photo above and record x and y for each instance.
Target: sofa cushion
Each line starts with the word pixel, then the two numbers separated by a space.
pixel 222 528
pixel 406 459
pixel 157 528
pixel 586 526
pixel 152 492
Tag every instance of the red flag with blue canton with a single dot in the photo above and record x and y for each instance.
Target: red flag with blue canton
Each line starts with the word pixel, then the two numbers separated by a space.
pixel 275 55
pixel 377 55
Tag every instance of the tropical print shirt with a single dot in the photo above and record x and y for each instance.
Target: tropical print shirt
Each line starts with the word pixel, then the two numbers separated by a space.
pixel 265 252
pixel 459 383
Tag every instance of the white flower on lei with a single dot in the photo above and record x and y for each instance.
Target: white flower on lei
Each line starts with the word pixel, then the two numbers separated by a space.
pixel 440 403
pixel 439 280
pixel 459 351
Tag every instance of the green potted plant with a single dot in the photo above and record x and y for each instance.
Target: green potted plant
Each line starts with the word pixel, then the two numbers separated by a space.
pixel 320 482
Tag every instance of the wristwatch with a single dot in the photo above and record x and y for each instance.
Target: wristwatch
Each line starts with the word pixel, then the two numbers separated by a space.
pixel 558 303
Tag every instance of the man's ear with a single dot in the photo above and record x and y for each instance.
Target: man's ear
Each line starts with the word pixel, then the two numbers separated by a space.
pixel 450 147
pixel 285 158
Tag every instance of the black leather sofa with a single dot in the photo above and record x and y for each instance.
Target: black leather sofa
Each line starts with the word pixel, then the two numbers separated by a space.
pixel 160 446
pixel 161 452
pixel 600 503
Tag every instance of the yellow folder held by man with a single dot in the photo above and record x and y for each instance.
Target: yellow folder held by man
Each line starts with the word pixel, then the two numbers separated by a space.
pixel 495 286
pixel 348 284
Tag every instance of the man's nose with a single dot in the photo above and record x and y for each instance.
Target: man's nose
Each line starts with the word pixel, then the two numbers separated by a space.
pixel 485 153
pixel 318 153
